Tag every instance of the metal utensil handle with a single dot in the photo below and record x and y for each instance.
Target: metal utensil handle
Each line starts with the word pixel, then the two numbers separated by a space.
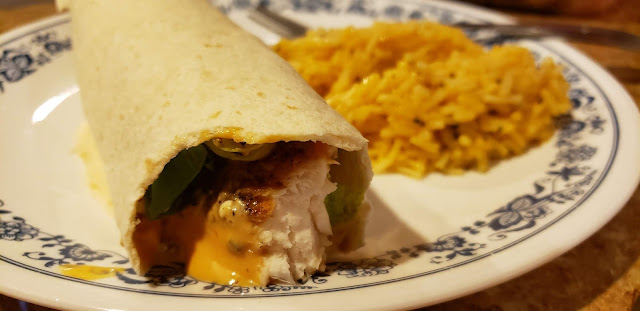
pixel 290 29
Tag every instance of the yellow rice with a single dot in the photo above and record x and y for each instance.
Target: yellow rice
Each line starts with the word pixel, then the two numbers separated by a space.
pixel 428 98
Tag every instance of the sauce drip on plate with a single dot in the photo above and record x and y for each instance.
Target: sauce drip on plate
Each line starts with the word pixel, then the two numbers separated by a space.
pixel 89 273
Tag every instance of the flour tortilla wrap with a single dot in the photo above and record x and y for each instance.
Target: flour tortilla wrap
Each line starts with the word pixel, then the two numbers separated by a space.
pixel 159 77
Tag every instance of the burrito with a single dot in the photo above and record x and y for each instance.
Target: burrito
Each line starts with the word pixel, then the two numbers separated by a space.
pixel 217 153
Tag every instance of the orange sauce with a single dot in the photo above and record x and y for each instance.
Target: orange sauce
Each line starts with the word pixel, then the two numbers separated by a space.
pixel 212 248
pixel 215 258
pixel 89 273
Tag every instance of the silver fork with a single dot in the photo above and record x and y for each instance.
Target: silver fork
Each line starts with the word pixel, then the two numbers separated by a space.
pixel 290 29
pixel 277 23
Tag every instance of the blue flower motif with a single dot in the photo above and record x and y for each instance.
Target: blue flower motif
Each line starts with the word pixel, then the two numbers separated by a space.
pixel 567 172
pixel 506 220
pixel 446 17
pixel 511 214
pixel 580 98
pixel 80 252
pixel 596 124
pixel 14 65
pixel 17 63
pixel 569 131
pixel 416 15
pixel 446 244
pixel 172 276
pixel 312 5
pixel 393 11
pixel 357 7
pixel 56 47
pixel 283 288
pixel 365 267
pixel 572 128
pixel 576 154
pixel 17 230
pixel 571 77
pixel 521 203
pixel 43 38
pixel 536 213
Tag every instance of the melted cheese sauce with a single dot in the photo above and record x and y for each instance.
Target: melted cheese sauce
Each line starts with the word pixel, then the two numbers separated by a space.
pixel 87 150
pixel 89 273
pixel 214 248
pixel 226 255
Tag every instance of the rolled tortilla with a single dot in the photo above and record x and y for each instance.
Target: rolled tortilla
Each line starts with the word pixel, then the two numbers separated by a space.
pixel 158 77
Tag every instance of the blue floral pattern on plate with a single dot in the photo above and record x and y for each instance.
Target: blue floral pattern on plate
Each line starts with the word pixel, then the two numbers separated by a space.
pixel 569 176
pixel 18 63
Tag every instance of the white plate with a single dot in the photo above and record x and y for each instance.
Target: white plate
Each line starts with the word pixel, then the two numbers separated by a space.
pixel 428 241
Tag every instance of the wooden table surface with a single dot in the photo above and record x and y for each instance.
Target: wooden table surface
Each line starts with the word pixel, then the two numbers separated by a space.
pixel 602 273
